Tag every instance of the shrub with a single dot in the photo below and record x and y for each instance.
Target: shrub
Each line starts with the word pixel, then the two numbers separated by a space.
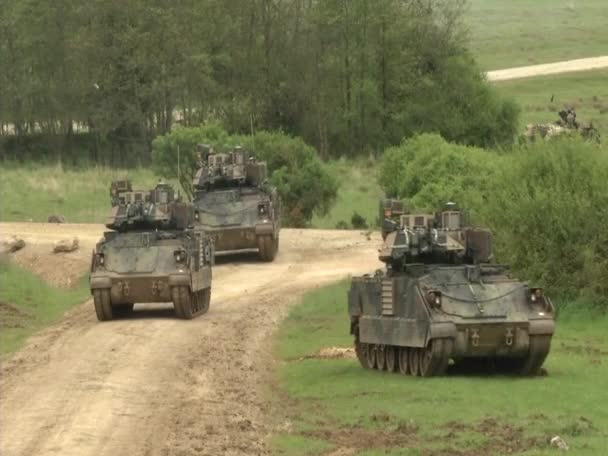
pixel 358 221
pixel 428 171
pixel 342 225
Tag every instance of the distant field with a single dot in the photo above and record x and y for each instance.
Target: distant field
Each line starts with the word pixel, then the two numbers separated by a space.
pixel 359 191
pixel 509 33
pixel 335 405
pixel 587 92
pixel 33 192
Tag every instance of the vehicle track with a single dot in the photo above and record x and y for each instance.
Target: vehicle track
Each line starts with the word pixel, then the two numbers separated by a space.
pixel 154 385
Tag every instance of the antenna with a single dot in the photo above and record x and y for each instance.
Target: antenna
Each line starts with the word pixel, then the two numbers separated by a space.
pixel 179 182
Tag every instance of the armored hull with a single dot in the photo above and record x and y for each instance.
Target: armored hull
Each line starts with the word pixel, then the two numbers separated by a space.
pixel 417 320
pixel 152 267
pixel 240 218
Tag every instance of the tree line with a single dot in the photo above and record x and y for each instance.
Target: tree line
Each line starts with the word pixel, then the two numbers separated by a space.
pixel 348 76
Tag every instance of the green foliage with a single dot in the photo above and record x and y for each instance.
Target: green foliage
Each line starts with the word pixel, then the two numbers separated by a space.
pixel 28 304
pixel 302 180
pixel 342 225
pixel 428 172
pixel 358 192
pixel 346 76
pixel 547 204
pixel 358 221
pixel 549 210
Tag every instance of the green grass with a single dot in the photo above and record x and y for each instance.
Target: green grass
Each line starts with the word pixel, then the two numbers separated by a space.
pixel 27 304
pixel 33 192
pixel 330 400
pixel 509 33
pixel 587 92
pixel 359 191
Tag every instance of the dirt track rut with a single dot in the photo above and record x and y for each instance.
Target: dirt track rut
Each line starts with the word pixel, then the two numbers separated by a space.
pixel 154 385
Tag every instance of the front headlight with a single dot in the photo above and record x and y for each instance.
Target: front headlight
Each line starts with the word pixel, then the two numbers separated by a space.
pixel 180 256
pixel 101 259
pixel 434 298
pixel 536 294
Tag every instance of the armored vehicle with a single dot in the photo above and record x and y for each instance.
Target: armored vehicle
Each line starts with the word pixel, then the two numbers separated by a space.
pixel 234 203
pixel 567 124
pixel 441 298
pixel 152 255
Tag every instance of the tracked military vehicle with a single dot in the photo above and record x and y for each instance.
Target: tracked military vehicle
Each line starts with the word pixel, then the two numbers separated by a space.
pixel 234 203
pixel 152 255
pixel 567 124
pixel 441 298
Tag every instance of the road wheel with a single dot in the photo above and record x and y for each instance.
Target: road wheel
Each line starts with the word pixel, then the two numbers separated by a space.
pixel 370 360
pixel 432 358
pixel 204 300
pixel 404 362
pixel 390 355
pixel 414 361
pixel 183 302
pixel 361 352
pixel 267 246
pixel 177 306
pixel 531 364
pixel 103 304
pixel 380 357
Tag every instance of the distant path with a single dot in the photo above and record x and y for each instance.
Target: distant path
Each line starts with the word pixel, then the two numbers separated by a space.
pixel 569 66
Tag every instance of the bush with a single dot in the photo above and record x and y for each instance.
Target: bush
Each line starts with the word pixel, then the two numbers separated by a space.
pixel 428 171
pixel 549 212
pixel 342 225
pixel 546 203
pixel 358 221
pixel 302 180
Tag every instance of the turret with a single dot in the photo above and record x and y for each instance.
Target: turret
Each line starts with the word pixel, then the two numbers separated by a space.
pixel 443 238
pixel 147 209
pixel 220 170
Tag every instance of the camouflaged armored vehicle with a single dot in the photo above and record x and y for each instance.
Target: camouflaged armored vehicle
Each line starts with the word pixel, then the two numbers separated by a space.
pixel 567 124
pixel 441 298
pixel 153 255
pixel 235 205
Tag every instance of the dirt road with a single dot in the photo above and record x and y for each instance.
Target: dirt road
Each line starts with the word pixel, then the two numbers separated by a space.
pixel 546 69
pixel 154 385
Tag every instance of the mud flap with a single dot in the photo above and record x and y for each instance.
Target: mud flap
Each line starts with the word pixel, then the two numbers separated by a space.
pixel 100 282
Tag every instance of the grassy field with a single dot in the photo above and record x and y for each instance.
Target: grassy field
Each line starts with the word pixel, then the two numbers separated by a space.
pixel 27 304
pixel 33 192
pixel 587 92
pixel 359 192
pixel 509 33
pixel 334 403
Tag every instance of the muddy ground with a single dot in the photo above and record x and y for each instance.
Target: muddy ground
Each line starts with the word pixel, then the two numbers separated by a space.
pixel 152 384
